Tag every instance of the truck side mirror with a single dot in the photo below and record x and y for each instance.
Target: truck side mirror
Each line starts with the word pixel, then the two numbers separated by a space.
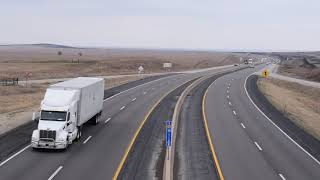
pixel 36 116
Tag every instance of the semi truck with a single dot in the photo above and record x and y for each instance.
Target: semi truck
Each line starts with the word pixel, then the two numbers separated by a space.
pixel 64 110
pixel 250 62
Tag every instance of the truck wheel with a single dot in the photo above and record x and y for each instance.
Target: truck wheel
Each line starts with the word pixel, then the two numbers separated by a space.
pixel 95 120
pixel 79 133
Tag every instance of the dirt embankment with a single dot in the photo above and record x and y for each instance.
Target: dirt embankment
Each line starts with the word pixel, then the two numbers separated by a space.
pixel 301 67
pixel 299 103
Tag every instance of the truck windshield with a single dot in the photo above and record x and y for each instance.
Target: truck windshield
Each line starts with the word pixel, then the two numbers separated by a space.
pixel 53 115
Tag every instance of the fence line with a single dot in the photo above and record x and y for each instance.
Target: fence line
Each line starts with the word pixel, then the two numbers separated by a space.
pixel 9 82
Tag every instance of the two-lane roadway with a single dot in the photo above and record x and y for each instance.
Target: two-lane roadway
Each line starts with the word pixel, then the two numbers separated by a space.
pixel 247 144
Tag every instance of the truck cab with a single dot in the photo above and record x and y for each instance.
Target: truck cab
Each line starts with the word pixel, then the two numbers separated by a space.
pixel 57 124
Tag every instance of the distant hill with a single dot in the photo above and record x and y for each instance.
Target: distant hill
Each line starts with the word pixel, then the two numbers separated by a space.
pixel 42 45
pixel 52 45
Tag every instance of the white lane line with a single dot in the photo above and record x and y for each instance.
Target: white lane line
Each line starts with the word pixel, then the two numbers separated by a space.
pixel 228 87
pixel 122 108
pixel 282 177
pixel 55 173
pixel 227 91
pixel 243 125
pixel 107 120
pixel 234 112
pixel 87 139
pixel 230 103
pixel 305 151
pixel 144 92
pixel 16 154
pixel 260 149
pixel 228 96
pixel 133 99
pixel 167 77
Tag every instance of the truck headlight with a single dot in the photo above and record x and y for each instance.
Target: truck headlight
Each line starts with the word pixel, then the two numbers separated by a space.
pixel 62 136
pixel 35 135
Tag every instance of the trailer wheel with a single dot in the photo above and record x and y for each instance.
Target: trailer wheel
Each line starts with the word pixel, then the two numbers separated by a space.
pixel 95 120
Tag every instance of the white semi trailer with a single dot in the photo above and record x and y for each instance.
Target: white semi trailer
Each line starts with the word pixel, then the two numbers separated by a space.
pixel 65 108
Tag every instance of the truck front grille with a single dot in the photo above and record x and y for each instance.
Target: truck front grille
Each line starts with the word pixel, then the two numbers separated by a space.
pixel 47 135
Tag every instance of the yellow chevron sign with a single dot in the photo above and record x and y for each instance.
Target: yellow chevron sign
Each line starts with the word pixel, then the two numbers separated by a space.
pixel 265 73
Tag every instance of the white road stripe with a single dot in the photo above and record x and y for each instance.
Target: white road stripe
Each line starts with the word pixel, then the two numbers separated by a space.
pixel 140 86
pixel 145 92
pixel 11 157
pixel 228 96
pixel 87 139
pixel 282 177
pixel 16 154
pixel 305 151
pixel 107 120
pixel 234 112
pixel 133 99
pixel 260 149
pixel 227 91
pixel 243 125
pixel 122 108
pixel 55 173
pixel 230 103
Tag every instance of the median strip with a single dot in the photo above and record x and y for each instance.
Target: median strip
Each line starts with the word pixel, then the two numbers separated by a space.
pixel 137 132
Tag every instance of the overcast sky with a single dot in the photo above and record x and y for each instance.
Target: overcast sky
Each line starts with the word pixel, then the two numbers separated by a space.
pixel 184 24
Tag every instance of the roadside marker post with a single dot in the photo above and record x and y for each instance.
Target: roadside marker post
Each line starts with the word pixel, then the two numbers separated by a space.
pixel 168 136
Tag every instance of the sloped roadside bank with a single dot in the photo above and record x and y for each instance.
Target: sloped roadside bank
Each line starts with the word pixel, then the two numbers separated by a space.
pixel 304 139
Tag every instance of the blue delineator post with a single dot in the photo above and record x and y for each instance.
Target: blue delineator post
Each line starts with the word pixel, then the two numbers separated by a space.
pixel 168 135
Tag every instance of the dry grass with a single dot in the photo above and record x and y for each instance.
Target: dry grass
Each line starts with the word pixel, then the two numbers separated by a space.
pixel 45 63
pixel 18 102
pixel 312 74
pixel 300 103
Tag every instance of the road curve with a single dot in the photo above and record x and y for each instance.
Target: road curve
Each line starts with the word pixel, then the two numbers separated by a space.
pixel 247 144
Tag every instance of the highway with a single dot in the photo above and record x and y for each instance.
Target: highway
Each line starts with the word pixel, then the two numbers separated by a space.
pixel 100 151
pixel 221 135
pixel 247 145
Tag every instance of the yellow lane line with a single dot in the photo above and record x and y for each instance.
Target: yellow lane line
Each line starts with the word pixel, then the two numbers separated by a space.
pixel 215 158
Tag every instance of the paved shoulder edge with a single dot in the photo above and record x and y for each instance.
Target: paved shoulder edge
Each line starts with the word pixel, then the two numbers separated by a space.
pixel 306 142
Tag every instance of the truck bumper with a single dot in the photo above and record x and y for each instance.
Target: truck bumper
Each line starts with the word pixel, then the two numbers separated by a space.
pixel 49 145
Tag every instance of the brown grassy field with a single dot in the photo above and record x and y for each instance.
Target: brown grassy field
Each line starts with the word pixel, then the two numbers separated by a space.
pixel 44 62
pixel 299 103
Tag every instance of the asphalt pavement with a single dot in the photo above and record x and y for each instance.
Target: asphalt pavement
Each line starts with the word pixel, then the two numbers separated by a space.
pixel 98 154
pixel 248 145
